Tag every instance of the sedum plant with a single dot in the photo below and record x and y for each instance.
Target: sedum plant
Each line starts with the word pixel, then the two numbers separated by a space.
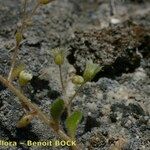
pixel 60 104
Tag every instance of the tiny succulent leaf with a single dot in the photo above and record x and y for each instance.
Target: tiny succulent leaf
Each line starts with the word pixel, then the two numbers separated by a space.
pixel 57 109
pixel 72 123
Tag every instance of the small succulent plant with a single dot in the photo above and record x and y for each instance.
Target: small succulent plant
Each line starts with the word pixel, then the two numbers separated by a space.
pixel 61 104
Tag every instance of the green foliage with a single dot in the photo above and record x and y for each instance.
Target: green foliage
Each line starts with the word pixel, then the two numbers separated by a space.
pixel 57 109
pixel 72 123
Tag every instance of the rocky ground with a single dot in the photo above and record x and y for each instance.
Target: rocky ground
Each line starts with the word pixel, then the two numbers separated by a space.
pixel 116 104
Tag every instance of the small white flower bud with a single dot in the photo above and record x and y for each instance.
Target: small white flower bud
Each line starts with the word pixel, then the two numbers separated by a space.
pixel 76 79
pixel 24 78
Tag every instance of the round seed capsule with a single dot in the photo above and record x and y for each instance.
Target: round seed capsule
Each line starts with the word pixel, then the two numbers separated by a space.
pixel 59 59
pixel 24 78
pixel 76 79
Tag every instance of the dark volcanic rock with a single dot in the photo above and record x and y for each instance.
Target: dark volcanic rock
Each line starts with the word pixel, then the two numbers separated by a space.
pixel 91 123
pixel 113 48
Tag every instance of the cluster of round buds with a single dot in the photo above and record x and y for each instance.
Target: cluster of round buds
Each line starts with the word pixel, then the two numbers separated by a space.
pixel 24 78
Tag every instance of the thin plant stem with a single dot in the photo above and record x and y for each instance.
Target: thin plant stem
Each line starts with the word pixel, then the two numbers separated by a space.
pixel 75 94
pixel 43 117
pixel 25 100
pixel 24 17
pixel 24 8
pixel 112 7
pixel 17 44
pixel 23 26
pixel 25 107
pixel 61 79
pixel 13 61
pixel 72 98
pixel 34 10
